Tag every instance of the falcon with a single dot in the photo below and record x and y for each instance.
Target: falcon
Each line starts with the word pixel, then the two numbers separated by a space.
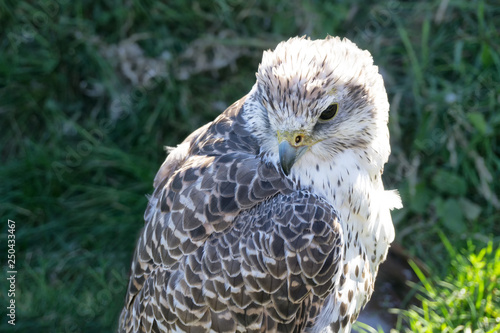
pixel 273 217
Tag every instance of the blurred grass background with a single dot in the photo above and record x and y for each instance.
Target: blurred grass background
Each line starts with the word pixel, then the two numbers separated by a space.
pixel 91 91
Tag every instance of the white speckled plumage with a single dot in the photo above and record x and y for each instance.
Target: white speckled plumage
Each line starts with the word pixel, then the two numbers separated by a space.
pixel 235 241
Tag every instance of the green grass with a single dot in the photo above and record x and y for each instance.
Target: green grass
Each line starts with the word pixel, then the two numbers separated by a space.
pixel 466 300
pixel 82 137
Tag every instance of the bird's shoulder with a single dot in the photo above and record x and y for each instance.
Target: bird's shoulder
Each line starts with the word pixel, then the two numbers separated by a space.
pixel 211 177
pixel 227 133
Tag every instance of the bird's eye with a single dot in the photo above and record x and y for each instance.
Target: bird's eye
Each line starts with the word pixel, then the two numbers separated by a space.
pixel 330 112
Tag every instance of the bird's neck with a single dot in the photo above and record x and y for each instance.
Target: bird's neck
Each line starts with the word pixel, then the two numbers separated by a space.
pixel 352 184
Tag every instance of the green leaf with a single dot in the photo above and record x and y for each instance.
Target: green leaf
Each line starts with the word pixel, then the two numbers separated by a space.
pixel 450 214
pixel 470 209
pixel 486 58
pixel 449 183
pixel 420 199
pixel 477 120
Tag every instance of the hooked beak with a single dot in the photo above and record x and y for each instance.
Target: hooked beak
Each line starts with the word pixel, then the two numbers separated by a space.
pixel 289 155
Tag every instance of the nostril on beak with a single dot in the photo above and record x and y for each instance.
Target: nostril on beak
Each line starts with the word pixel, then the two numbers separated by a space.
pixel 298 139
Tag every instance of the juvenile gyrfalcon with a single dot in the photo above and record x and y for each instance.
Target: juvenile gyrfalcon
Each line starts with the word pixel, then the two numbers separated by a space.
pixel 273 217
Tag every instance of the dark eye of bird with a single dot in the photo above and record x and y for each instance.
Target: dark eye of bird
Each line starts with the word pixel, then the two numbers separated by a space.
pixel 330 112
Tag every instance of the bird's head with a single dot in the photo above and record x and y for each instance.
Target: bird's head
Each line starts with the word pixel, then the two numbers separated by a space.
pixel 316 99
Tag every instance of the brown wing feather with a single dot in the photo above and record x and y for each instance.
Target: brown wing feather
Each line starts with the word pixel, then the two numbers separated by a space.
pixel 227 244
